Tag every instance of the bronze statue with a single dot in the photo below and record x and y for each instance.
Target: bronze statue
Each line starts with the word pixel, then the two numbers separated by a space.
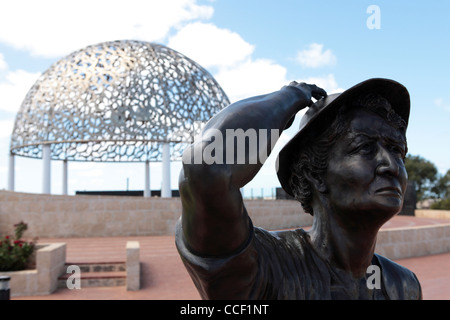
pixel 345 165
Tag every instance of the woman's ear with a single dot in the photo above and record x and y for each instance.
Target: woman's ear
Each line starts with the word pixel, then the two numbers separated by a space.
pixel 316 180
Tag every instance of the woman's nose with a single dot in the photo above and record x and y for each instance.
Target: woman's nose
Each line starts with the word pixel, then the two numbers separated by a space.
pixel 387 163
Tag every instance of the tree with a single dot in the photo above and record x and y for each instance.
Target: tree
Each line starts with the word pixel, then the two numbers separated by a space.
pixel 441 205
pixel 425 175
pixel 442 186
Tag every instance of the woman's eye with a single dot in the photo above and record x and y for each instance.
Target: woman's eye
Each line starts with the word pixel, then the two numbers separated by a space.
pixel 366 148
pixel 363 148
pixel 397 150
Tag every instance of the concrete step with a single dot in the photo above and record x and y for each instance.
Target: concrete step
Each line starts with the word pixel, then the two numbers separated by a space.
pixel 99 266
pixel 97 274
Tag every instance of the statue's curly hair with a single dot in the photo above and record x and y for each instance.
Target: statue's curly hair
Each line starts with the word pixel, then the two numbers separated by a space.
pixel 313 151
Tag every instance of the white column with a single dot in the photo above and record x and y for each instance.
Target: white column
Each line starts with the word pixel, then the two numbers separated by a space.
pixel 65 177
pixel 166 191
pixel 46 158
pixel 11 172
pixel 147 192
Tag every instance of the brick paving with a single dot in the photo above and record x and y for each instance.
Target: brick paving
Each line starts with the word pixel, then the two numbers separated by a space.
pixel 433 273
pixel 163 276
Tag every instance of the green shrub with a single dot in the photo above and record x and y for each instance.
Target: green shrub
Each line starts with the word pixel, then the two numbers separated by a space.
pixel 15 253
pixel 441 205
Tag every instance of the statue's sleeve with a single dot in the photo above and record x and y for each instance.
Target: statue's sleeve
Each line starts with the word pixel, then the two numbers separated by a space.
pixel 230 277
pixel 268 266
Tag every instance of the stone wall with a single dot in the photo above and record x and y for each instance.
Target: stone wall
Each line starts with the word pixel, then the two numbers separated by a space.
pixel 50 260
pixel 433 214
pixel 56 216
pixel 401 243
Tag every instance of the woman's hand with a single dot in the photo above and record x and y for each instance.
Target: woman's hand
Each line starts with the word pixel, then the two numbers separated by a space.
pixel 309 90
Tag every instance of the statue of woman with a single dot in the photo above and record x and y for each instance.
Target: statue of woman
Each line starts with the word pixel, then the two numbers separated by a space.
pixel 346 167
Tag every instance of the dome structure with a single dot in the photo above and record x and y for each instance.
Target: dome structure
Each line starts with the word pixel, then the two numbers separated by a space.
pixel 116 101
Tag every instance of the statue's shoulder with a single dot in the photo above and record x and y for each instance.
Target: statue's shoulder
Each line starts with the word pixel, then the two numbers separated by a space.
pixel 284 239
pixel 281 235
pixel 399 282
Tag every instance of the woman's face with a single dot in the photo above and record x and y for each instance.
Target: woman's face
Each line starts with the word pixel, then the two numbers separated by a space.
pixel 366 175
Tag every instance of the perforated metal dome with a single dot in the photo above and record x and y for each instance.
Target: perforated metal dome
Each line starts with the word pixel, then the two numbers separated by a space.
pixel 116 101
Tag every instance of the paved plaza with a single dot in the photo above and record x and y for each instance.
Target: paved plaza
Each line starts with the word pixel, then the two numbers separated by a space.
pixel 163 276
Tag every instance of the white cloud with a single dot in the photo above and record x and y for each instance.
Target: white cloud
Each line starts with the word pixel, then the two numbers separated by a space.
pixel 252 77
pixel 50 28
pixel 6 127
pixel 438 101
pixel 231 57
pixel 255 77
pixel 314 56
pixel 211 46
pixel 442 104
pixel 3 64
pixel 14 87
pixel 328 83
pixel 54 28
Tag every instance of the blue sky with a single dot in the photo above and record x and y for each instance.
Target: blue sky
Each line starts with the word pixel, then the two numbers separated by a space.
pixel 251 47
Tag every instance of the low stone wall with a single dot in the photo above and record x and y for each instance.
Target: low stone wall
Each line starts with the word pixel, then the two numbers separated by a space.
pixel 55 216
pixel 433 214
pixel 50 260
pixel 401 243
pixel 277 214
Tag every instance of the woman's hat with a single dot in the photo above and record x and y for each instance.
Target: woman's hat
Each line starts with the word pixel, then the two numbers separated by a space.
pixel 324 111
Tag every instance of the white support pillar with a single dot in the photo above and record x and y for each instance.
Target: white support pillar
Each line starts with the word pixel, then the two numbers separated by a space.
pixel 147 192
pixel 11 172
pixel 65 177
pixel 46 159
pixel 166 190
